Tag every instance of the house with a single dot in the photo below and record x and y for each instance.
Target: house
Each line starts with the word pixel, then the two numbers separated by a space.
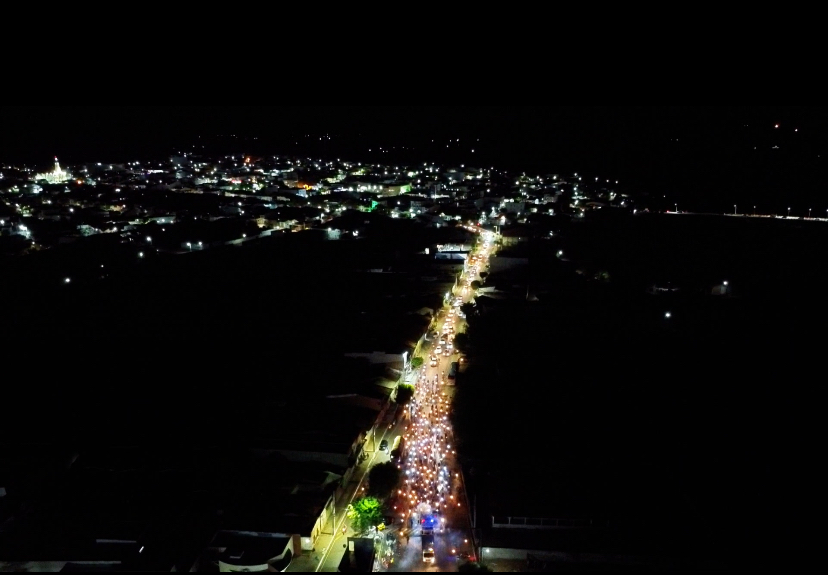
pixel 499 263
pixel 334 437
pixel 392 360
pixel 249 552
pixel 513 235
pixel 360 555
pixel 277 495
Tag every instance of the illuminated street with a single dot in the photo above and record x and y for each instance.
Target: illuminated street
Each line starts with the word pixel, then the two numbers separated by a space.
pixel 432 479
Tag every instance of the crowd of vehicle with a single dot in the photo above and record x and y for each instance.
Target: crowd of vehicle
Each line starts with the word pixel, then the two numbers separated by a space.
pixel 426 453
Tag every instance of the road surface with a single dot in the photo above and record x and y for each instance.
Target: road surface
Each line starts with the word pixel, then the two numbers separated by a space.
pixel 432 478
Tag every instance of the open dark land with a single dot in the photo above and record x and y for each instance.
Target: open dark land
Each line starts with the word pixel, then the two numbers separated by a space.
pixel 694 435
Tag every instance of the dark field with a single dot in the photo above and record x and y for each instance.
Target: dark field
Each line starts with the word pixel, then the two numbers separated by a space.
pixel 702 427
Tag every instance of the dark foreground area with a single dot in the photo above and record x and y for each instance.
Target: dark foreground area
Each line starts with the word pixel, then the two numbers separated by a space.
pixel 696 436
pixel 692 436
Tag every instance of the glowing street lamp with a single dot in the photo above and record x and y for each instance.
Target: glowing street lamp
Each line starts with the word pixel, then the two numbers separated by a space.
pixel 190 246
pixel 667 315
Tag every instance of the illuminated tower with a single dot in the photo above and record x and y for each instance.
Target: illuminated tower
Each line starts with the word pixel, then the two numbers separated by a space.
pixel 56 176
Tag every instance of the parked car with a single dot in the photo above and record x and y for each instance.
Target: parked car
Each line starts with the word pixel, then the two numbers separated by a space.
pixel 383 445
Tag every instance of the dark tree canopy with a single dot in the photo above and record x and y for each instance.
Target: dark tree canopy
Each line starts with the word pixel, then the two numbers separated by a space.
pixel 461 342
pixel 404 393
pixel 383 479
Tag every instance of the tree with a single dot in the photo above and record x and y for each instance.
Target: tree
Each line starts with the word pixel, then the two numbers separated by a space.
pixel 364 514
pixel 405 392
pixel 467 309
pixel 383 479
pixel 476 284
pixel 461 342
pixel 416 362
pixel 484 275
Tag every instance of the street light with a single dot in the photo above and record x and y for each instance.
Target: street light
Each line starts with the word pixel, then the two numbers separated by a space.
pixel 190 246
pixel 734 210
pixel 809 213
pixel 667 314
pixel 789 212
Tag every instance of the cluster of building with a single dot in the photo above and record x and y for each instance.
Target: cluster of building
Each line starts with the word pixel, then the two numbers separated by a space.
pixel 191 202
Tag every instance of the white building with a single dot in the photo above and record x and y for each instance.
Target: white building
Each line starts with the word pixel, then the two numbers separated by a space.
pixel 56 176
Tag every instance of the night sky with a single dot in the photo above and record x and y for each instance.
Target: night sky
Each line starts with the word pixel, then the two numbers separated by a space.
pixel 707 158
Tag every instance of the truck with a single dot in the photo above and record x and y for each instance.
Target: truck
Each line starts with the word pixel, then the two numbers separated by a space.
pixel 428 523
pixel 428 548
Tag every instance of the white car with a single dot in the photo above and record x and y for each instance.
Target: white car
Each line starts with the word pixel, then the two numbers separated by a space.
pixel 428 555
